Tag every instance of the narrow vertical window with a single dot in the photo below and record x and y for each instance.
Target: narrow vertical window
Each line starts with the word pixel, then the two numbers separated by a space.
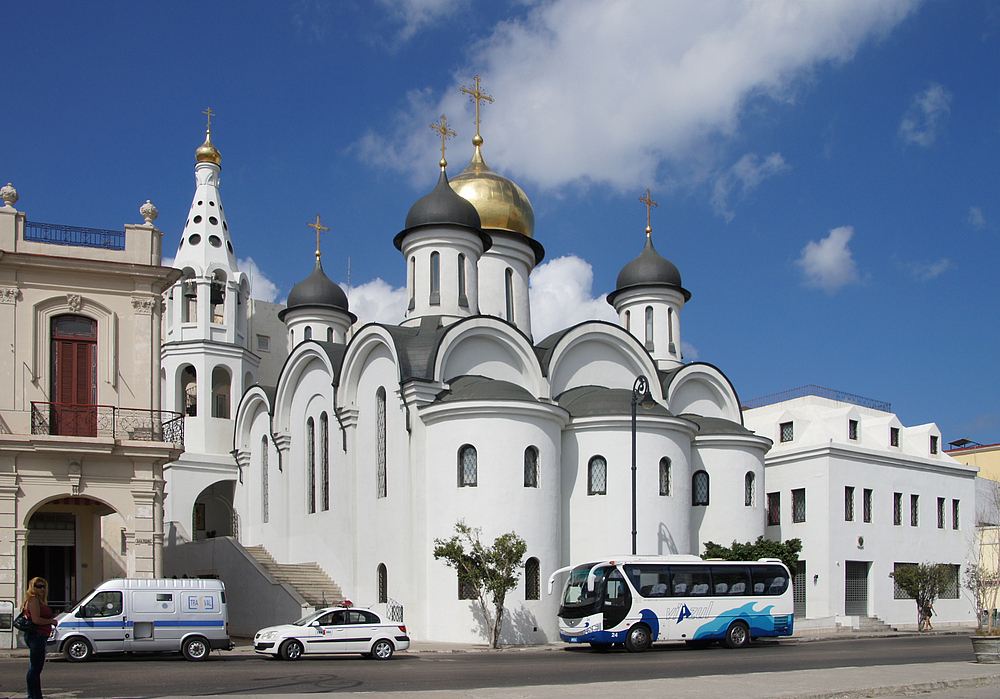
pixel 435 299
pixel 531 467
pixel 699 489
pixel 787 430
pixel 311 465
pixel 670 330
pixel 750 490
pixel 468 468
pixel 665 476
pixel 773 509
pixel 381 488
pixel 799 505
pixel 264 515
pixel 849 503
pixel 893 436
pixel 309 332
pixel 597 476
pixel 867 505
pixel 532 579
pixel 509 293
pixel 462 300
pixel 852 430
pixel 934 444
pixel 954 514
pixel 649 327
pixel 383 583
pixel 914 510
pixel 628 321
pixel 329 334
pixel 897 509
pixel 324 434
pixel 413 282
pixel 940 513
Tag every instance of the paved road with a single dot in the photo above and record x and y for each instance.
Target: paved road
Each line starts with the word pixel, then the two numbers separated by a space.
pixel 242 673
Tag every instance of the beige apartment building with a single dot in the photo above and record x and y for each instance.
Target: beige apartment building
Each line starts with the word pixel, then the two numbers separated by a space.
pixel 83 440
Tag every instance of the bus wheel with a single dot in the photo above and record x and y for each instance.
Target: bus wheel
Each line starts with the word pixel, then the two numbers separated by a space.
pixel 738 635
pixel 77 650
pixel 638 638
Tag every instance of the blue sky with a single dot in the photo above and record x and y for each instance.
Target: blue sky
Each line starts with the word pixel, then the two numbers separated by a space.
pixel 827 173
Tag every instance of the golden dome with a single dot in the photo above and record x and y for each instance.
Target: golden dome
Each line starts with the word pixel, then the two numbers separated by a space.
pixel 500 203
pixel 208 153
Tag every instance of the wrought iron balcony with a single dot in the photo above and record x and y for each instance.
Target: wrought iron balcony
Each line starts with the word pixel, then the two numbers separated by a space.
pixel 76 236
pixel 74 420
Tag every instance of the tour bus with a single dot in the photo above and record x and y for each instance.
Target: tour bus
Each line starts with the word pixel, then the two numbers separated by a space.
pixel 635 600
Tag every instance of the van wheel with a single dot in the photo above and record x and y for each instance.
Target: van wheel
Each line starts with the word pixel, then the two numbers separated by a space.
pixel 77 650
pixel 638 638
pixel 382 650
pixel 291 650
pixel 738 635
pixel 196 648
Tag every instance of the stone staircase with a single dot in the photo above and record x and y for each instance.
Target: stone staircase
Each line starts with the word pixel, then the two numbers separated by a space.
pixel 308 579
pixel 872 624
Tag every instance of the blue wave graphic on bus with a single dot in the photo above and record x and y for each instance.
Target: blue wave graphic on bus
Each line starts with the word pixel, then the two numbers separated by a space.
pixel 761 623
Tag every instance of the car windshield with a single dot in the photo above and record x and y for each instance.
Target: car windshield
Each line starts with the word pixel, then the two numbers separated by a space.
pixel 305 621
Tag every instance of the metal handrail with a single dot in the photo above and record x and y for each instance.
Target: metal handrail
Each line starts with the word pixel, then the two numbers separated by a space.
pixel 820 391
pixel 77 236
pixel 83 420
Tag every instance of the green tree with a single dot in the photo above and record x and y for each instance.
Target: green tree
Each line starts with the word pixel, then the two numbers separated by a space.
pixel 787 551
pixel 923 582
pixel 492 572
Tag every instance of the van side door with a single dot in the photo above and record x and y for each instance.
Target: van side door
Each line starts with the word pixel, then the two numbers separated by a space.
pixel 102 620
pixel 153 621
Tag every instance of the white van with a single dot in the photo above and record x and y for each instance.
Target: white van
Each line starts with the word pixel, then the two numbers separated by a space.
pixel 133 616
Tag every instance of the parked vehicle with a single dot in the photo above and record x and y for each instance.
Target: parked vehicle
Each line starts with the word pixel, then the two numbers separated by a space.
pixel 126 615
pixel 334 630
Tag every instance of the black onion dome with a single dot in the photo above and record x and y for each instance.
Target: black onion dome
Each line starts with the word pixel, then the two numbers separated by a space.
pixel 649 269
pixel 316 290
pixel 442 206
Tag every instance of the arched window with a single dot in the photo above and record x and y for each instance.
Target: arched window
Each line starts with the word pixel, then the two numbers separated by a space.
pixel 468 469
pixel 329 334
pixel 509 293
pixel 380 480
pixel 628 321
pixel 220 392
pixel 218 297
pixel 189 390
pixel 413 282
pixel 462 300
pixel 532 579
pixel 750 490
pixel 699 488
pixel 311 465
pixel 670 329
pixel 383 584
pixel 649 326
pixel 597 476
pixel 531 467
pixel 309 332
pixel 435 299
pixel 324 432
pixel 263 481
pixel 664 476
pixel 189 301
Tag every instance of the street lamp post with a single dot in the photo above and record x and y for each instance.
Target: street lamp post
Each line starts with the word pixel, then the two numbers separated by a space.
pixel 640 395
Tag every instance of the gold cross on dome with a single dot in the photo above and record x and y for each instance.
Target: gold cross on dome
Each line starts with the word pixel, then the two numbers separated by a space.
pixel 445 132
pixel 648 201
pixel 477 96
pixel 319 229
pixel 210 115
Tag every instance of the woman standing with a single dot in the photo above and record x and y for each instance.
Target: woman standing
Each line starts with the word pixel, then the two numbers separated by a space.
pixel 41 616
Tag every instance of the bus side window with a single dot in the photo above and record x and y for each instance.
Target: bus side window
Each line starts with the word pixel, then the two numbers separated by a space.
pixel 768 580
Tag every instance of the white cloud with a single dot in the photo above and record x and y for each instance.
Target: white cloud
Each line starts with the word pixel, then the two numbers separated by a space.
pixel 828 264
pixel 924 118
pixel 689 352
pixel 976 218
pixel 261 288
pixel 561 296
pixel 742 178
pixel 417 14
pixel 378 302
pixel 624 92
pixel 926 271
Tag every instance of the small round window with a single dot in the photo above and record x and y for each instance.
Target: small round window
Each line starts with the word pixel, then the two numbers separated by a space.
pixel 215 241
pixel 200 203
pixel 230 246
pixel 197 219
pixel 211 203
pixel 194 239
pixel 213 220
pixel 224 226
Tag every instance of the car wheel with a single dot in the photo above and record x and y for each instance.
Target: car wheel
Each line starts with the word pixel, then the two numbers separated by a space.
pixel 196 648
pixel 77 650
pixel 638 638
pixel 382 650
pixel 738 635
pixel 291 650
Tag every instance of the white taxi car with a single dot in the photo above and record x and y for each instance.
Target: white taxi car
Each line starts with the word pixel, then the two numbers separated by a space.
pixel 333 630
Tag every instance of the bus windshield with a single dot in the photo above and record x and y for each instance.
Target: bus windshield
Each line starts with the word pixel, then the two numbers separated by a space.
pixel 578 598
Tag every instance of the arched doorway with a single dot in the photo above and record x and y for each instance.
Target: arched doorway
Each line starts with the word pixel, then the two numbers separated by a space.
pixel 213 513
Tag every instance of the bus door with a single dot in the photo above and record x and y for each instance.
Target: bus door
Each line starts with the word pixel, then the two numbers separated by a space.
pixel 617 599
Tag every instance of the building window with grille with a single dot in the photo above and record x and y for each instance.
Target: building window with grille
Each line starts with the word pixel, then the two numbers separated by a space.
pixel 597 476
pixel 263 343
pixel 951 588
pixel 665 476
pixel 773 509
pixel 381 487
pixel 383 584
pixel 897 509
pixel 263 480
pixel 893 436
pixel 897 591
pixel 324 433
pixel 466 590
pixel 799 505
pixel 311 465
pixel 940 513
pixel 750 489
pixel 699 489
pixel 914 510
pixel 867 505
pixel 954 514
pixel 849 503
pixel 786 431
pixel 468 468
pixel 531 467
pixel 934 444
pixel 852 430
pixel 532 579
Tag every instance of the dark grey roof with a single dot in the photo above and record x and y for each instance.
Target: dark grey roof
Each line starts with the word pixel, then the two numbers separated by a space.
pixel 417 347
pixel 315 290
pixel 716 425
pixel 473 387
pixel 584 401
pixel 649 269
pixel 442 207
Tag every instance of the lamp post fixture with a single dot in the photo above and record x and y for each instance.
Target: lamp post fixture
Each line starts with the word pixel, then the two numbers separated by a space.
pixel 640 395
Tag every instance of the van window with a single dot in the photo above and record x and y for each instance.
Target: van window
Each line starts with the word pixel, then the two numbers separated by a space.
pixel 147 601
pixel 108 603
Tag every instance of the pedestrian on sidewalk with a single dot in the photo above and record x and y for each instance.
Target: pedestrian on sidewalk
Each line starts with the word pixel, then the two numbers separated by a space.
pixel 928 612
pixel 36 607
